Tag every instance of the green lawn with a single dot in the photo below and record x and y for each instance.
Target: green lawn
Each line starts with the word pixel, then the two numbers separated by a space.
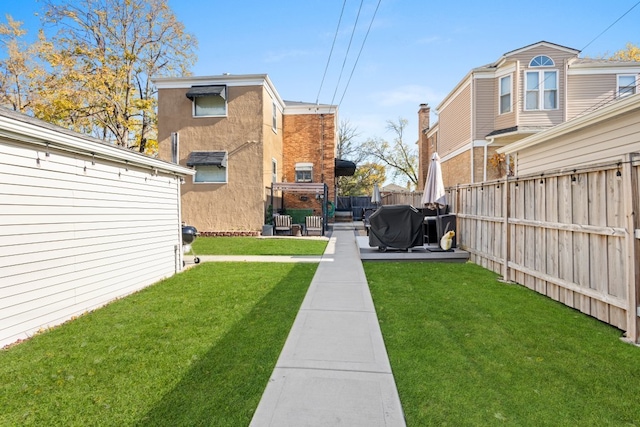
pixel 467 350
pixel 196 349
pixel 258 246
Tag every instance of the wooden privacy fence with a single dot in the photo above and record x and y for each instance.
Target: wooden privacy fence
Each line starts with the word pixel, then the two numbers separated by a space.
pixel 571 236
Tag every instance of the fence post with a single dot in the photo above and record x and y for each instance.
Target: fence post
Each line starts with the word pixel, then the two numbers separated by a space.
pixel 506 241
pixel 630 186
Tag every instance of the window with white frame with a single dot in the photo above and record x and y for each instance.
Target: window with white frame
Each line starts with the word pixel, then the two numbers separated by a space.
pixel 627 85
pixel 541 61
pixel 274 119
pixel 208 101
pixel 209 106
pixel 541 90
pixel 505 94
pixel 210 166
pixel 304 172
pixel 210 174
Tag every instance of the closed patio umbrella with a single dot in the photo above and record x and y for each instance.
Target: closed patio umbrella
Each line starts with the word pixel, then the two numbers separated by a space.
pixel 375 197
pixel 434 196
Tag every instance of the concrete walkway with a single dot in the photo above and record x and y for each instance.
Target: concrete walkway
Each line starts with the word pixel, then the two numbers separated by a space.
pixel 333 369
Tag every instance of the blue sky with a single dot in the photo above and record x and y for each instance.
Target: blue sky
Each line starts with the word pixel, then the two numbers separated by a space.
pixel 416 50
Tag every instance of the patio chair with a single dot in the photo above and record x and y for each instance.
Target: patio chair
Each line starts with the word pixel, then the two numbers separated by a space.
pixel 313 223
pixel 282 223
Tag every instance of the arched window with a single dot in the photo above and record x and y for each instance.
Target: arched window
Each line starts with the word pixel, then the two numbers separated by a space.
pixel 541 61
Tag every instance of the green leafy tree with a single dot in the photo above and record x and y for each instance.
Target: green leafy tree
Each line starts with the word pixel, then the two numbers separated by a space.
pixel 362 181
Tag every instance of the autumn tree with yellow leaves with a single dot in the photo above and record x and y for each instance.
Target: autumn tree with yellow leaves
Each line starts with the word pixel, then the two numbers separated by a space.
pixel 93 72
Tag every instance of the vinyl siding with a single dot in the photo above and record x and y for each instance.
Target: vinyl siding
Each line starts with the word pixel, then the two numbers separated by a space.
pixel 72 240
pixel 588 92
pixel 455 123
pixel 606 142
pixel 506 120
pixel 485 106
pixel 542 117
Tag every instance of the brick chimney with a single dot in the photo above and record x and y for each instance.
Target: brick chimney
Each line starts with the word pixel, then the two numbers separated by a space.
pixel 424 154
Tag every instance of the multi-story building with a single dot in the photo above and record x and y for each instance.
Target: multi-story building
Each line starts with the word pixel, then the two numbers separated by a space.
pixel 242 138
pixel 524 92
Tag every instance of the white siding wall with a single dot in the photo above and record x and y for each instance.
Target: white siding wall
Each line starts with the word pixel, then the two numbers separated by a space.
pixel 73 239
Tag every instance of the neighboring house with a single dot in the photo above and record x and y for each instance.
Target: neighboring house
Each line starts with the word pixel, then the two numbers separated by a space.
pixel 605 136
pixel 241 138
pixel 524 92
pixel 82 222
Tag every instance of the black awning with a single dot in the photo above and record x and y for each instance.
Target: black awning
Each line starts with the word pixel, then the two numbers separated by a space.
pixel 207 158
pixel 197 91
pixel 344 167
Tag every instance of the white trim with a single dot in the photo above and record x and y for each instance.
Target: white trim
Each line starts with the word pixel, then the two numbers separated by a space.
pixel 453 95
pixel 456 153
pixel 310 109
pixel 504 71
pixel 622 106
pixel 32 133
pixel 541 88
pixel 635 87
pixel 593 70
pixel 545 44
pixel 227 79
pixel 500 94
pixel 482 142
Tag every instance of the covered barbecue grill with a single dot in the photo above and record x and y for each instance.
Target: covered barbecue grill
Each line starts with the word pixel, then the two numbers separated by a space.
pixel 189 234
pixel 396 226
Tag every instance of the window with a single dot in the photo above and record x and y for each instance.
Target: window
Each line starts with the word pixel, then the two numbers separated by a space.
pixel 505 94
pixel 627 85
pixel 208 101
pixel 541 90
pixel 541 61
pixel 211 166
pixel 304 172
pixel 210 174
pixel 274 120
pixel 274 170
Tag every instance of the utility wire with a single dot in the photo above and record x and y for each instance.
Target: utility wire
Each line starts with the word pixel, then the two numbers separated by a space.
pixel 331 52
pixel 614 23
pixel 347 53
pixel 360 52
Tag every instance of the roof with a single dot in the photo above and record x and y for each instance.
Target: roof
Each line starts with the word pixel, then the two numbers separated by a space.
pixel 300 107
pixel 207 158
pixel 27 129
pixel 229 80
pixel 198 91
pixel 621 106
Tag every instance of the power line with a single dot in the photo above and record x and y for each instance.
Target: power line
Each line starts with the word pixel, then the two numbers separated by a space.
pixel 614 23
pixel 331 52
pixel 347 52
pixel 360 52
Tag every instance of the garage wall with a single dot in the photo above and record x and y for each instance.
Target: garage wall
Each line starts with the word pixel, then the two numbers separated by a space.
pixel 77 231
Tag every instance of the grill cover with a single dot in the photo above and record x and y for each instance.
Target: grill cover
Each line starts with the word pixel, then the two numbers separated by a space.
pixel 396 226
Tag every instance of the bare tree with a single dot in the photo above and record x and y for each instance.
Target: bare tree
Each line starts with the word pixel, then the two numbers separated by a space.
pixel 398 156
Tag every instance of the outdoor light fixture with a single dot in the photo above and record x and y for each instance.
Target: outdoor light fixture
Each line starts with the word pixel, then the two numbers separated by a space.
pixel 619 173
